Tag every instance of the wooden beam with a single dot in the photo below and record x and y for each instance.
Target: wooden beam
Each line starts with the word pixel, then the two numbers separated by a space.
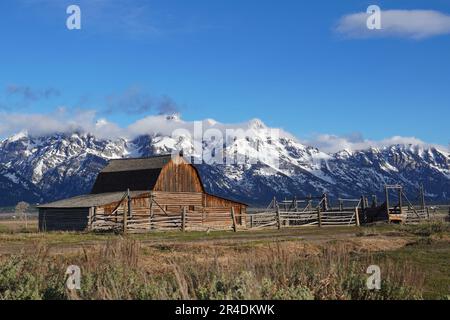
pixel 319 216
pixel 183 220
pixel 151 211
pixel 357 216
pixel 422 196
pixel 91 218
pixel 233 217
pixel 126 212
pixel 278 218
pixel 386 190
pixel 130 212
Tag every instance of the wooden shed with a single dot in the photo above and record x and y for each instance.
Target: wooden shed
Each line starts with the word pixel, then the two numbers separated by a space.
pixel 145 194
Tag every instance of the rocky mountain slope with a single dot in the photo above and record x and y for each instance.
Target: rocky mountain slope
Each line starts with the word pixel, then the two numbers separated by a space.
pixel 45 168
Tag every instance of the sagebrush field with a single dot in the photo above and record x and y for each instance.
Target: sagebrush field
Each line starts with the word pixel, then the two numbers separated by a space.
pixel 308 263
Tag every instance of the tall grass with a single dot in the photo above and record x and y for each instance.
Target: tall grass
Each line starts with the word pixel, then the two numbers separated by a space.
pixel 123 269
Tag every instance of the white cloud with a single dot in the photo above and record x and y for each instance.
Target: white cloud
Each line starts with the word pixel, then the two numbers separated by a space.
pixel 414 24
pixel 333 143
pixel 67 121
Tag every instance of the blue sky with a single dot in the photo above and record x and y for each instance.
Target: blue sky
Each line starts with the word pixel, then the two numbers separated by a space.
pixel 281 61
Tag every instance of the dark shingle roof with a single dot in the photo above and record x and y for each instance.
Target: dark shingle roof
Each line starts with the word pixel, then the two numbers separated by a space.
pixel 134 174
pixel 121 165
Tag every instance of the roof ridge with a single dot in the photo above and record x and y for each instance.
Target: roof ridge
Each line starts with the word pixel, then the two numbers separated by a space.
pixel 142 158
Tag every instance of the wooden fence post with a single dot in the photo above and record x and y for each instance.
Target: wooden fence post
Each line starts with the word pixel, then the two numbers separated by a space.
pixel 183 220
pixel 319 216
pixel 363 203
pixel 325 202
pixel 278 217
pixel 357 216
pixel 130 213
pixel 91 218
pixel 125 216
pixel 233 217
pixel 422 196
pixel 387 201
pixel 126 212
pixel 151 211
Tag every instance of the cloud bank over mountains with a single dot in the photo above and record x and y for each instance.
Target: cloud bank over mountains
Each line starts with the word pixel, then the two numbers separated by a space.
pixel 66 120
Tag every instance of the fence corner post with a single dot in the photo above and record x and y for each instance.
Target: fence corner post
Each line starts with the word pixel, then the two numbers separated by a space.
pixel 91 218
pixel 183 220
pixel 233 217
pixel 279 218
pixel 319 216
pixel 126 212
pixel 357 216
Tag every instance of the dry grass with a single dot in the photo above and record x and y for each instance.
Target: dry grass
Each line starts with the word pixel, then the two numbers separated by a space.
pixel 124 269
pixel 286 264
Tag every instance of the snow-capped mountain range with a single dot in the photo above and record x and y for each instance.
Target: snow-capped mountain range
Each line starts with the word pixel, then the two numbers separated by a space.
pixel 55 166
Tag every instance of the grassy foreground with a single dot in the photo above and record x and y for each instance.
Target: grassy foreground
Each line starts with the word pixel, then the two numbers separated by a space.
pixel 292 264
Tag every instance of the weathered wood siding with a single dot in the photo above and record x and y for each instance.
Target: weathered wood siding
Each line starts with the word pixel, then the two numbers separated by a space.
pixel 179 198
pixel 141 203
pixel 178 176
pixel 211 202
pixel 67 219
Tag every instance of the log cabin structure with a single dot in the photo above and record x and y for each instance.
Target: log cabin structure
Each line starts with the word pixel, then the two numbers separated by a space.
pixel 141 195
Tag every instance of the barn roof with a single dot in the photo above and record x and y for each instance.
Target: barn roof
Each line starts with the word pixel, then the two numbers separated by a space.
pixel 136 174
pixel 133 174
pixel 137 164
pixel 91 200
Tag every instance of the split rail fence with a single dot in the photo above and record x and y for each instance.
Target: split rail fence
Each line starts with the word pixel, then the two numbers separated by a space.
pixel 318 218
pixel 126 219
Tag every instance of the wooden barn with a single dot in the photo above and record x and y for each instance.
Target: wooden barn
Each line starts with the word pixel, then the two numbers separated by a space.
pixel 141 195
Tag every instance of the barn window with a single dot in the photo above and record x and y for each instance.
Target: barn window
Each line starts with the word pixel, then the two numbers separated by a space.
pixel 191 208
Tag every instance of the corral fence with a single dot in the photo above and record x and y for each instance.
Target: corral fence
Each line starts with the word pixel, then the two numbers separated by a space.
pixel 186 220
pixel 414 216
pixel 125 219
pixel 411 216
pixel 283 219
pixel 284 214
pixel 288 214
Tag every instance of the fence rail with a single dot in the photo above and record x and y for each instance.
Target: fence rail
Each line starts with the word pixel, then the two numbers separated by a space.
pixel 286 219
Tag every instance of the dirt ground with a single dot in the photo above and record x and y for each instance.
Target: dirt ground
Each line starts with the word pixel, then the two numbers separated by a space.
pixel 14 238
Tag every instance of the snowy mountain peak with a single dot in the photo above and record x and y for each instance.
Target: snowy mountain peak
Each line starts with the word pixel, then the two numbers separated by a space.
pixel 19 136
pixel 256 124
pixel 57 166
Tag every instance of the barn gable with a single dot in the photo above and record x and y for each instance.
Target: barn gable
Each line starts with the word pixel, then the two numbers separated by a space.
pixel 179 176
